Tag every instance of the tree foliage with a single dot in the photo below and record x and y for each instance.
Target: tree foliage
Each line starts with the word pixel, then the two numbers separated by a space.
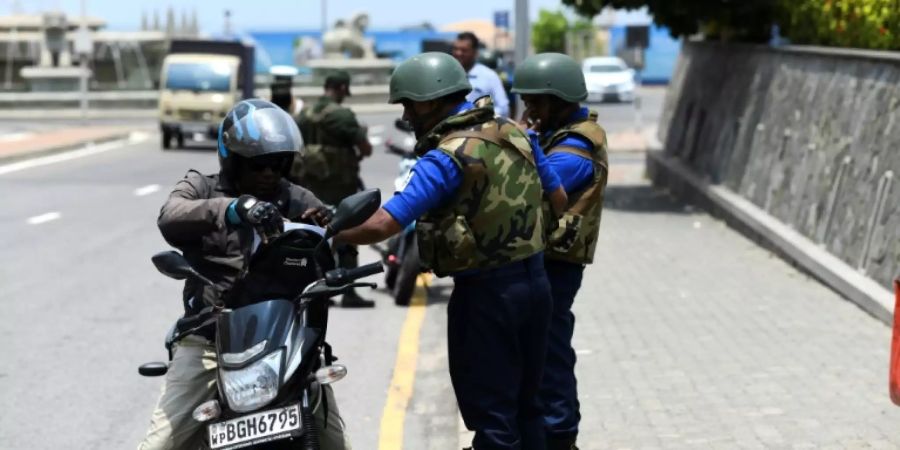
pixel 548 33
pixel 748 20
pixel 846 23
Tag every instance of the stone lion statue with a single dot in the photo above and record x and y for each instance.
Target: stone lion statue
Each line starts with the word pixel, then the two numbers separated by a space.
pixel 348 39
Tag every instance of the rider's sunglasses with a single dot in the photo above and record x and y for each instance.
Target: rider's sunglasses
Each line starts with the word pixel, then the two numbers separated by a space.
pixel 261 163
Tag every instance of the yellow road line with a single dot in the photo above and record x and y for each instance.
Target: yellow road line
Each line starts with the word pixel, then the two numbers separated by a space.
pixel 401 389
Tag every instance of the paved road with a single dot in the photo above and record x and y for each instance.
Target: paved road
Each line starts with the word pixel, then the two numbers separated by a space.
pixel 83 306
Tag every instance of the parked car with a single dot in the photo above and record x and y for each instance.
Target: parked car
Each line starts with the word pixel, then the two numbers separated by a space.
pixel 608 78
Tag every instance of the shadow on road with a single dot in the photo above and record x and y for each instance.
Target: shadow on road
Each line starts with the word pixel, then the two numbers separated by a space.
pixel 642 199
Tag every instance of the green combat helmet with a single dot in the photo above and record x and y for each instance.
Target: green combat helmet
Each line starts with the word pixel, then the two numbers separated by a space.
pixel 551 73
pixel 426 77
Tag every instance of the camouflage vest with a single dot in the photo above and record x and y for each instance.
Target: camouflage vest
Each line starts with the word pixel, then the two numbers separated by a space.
pixel 495 217
pixel 573 236
pixel 323 160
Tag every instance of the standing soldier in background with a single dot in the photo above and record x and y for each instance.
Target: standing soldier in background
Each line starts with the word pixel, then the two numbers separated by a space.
pixel 552 85
pixel 484 81
pixel 335 144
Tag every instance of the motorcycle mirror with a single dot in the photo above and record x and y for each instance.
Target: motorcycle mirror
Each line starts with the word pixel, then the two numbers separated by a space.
pixel 403 125
pixel 354 210
pixel 153 369
pixel 174 265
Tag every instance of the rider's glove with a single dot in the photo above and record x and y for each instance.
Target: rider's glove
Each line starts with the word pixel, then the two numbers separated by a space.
pixel 263 216
pixel 321 215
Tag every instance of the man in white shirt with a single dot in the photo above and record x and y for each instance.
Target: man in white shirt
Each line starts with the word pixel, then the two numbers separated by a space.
pixel 484 81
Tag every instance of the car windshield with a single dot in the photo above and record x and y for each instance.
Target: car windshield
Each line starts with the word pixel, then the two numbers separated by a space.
pixel 605 68
pixel 214 77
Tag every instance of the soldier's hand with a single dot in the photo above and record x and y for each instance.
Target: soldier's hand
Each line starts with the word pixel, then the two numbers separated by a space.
pixel 264 217
pixel 527 121
pixel 558 201
pixel 321 215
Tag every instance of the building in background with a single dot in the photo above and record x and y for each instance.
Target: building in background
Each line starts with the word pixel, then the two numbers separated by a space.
pixel 281 47
pixel 118 60
pixel 660 55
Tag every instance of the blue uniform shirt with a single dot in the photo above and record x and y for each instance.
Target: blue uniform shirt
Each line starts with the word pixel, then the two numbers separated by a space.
pixel 435 179
pixel 574 171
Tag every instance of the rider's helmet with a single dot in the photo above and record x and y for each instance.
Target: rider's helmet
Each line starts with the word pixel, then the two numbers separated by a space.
pixel 551 73
pixel 255 128
pixel 428 76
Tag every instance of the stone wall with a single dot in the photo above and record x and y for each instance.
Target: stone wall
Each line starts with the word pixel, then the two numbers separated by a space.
pixel 811 135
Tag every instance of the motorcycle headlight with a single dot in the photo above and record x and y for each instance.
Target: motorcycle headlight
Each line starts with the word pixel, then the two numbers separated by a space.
pixel 253 386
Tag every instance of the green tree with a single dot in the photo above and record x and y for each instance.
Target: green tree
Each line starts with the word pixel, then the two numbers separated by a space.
pixel 846 23
pixel 548 33
pixel 747 20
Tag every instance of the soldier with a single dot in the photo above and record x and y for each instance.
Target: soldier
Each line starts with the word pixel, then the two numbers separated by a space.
pixel 475 195
pixel 335 143
pixel 552 85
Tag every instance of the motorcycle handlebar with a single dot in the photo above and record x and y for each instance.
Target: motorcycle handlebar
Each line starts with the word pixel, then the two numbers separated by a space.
pixel 340 277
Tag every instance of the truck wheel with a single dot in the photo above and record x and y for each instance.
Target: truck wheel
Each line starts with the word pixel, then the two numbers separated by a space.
pixel 407 274
pixel 166 140
pixel 180 140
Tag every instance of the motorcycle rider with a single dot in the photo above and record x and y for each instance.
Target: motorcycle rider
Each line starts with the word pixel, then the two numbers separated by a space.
pixel 552 85
pixel 211 219
pixel 475 195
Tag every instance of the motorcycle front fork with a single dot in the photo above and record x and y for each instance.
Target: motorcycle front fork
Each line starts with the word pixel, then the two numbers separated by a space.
pixel 310 439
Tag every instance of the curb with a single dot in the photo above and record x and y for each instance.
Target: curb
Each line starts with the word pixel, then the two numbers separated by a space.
pixel 152 113
pixel 747 218
pixel 75 113
pixel 63 148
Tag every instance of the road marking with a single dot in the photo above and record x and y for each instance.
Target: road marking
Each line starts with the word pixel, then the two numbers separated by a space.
pixel 584 351
pixel 44 218
pixel 376 140
pixel 376 129
pixel 400 391
pixel 146 190
pixel 87 150
pixel 15 136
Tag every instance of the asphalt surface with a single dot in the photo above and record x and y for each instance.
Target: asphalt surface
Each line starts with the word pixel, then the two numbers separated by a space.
pixel 83 306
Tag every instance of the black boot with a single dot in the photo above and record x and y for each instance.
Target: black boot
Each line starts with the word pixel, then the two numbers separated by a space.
pixel 561 444
pixel 353 300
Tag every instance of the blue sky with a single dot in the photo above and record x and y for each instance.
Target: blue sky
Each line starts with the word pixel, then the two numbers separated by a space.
pixel 283 14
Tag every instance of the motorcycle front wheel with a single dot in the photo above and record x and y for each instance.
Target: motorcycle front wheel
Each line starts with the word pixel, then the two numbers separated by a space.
pixel 407 274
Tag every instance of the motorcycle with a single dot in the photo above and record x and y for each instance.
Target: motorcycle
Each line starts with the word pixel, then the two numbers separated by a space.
pixel 272 355
pixel 401 255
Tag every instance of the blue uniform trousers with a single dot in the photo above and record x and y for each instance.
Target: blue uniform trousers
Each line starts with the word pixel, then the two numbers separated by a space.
pixel 497 341
pixel 558 387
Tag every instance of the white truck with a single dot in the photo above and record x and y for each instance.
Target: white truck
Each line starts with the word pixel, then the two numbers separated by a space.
pixel 199 83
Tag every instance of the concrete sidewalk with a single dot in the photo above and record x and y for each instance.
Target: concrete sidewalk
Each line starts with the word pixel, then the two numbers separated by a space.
pixel 691 336
pixel 28 144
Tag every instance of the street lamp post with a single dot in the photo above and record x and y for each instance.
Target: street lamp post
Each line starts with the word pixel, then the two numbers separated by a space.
pixel 324 17
pixel 523 38
pixel 83 47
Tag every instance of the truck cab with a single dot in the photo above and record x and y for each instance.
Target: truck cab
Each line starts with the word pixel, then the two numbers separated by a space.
pixel 200 82
pixel 196 91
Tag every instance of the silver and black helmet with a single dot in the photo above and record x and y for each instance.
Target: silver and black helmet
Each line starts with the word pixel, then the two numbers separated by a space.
pixel 255 128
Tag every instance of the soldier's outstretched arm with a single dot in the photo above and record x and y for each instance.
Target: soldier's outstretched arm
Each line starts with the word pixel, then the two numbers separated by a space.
pixel 433 181
pixel 376 229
